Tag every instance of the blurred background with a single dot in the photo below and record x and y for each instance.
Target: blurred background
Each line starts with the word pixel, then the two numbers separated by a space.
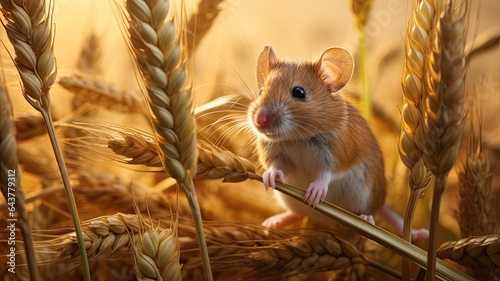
pixel 224 63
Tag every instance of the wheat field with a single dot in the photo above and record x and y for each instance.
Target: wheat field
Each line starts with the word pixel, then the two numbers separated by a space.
pixel 125 152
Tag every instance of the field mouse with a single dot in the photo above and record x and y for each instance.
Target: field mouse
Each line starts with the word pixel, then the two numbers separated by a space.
pixel 310 136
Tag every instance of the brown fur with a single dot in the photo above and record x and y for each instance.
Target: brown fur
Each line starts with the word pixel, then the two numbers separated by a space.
pixel 323 132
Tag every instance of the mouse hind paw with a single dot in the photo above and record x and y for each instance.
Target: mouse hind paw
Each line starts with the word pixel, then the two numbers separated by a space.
pixel 281 220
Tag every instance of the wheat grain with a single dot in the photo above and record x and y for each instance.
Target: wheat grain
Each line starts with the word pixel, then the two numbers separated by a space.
pixel 303 254
pixel 156 253
pixel 476 210
pixel 476 215
pixel 29 126
pixel 138 148
pixel 474 252
pixel 213 162
pixel 89 88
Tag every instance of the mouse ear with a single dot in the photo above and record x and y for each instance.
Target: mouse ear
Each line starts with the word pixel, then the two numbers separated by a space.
pixel 266 58
pixel 337 66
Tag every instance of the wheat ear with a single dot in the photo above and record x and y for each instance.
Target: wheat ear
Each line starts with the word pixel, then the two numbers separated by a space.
pixel 91 54
pixel 10 183
pixel 91 89
pixel 156 253
pixel 29 126
pixel 361 10
pixel 412 83
pixel 29 28
pixel 476 207
pixel 160 59
pixel 476 213
pixel 474 252
pixel 200 22
pixel 213 162
pixel 442 109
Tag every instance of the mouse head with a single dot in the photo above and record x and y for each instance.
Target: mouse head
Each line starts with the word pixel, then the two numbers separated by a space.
pixel 298 99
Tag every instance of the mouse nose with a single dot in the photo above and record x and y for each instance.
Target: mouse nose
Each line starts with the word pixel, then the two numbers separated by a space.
pixel 261 119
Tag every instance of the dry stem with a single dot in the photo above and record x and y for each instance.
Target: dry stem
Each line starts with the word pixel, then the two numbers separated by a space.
pixel 10 183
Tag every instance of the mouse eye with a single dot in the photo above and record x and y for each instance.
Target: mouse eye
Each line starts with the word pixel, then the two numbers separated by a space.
pixel 298 92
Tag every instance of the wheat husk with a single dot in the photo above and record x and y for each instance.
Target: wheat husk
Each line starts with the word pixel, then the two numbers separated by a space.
pixel 213 162
pixel 156 253
pixel 476 214
pixel 90 89
pixel 474 252
pixel 29 126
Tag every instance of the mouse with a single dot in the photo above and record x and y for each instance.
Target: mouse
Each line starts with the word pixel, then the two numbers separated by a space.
pixel 309 135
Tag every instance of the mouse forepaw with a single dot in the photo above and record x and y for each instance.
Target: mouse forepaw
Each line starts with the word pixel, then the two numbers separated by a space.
pixel 271 175
pixel 316 193
pixel 368 218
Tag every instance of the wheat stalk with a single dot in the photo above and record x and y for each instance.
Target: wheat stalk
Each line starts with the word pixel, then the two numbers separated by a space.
pixel 29 29
pixel 417 42
pixel 89 88
pixel 10 183
pixel 442 109
pixel 200 22
pixel 29 126
pixel 159 57
pixel 483 42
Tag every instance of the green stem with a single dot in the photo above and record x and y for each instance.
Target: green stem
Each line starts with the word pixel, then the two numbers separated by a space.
pixel 375 233
pixel 366 107
pixel 408 222
pixel 49 123
pixel 439 186
pixel 198 225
